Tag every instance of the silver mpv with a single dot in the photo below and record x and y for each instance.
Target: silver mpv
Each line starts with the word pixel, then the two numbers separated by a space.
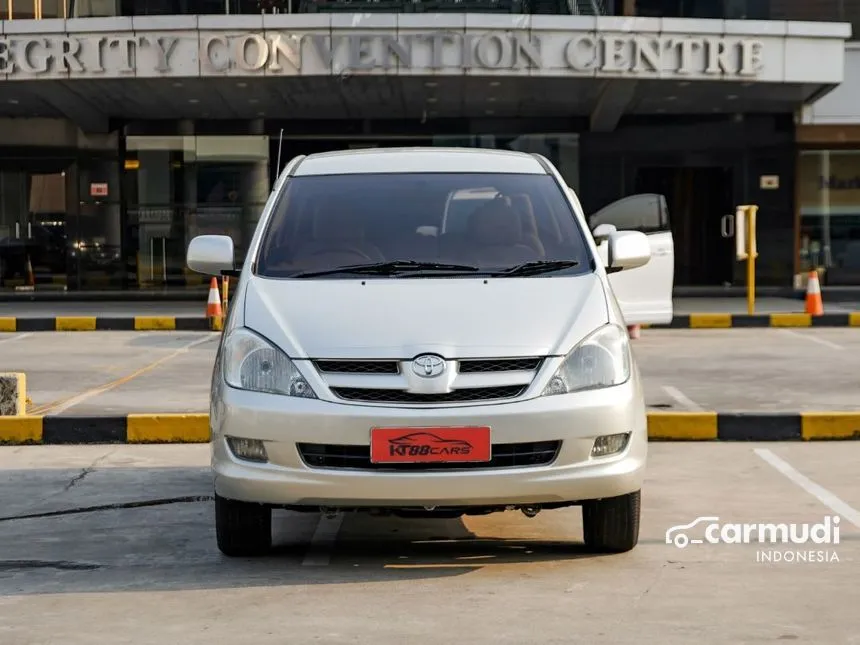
pixel 424 331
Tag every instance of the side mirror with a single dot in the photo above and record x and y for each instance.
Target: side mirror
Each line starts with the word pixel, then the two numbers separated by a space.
pixel 602 231
pixel 211 254
pixel 627 250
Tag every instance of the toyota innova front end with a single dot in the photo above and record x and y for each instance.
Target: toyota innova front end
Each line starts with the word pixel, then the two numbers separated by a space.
pixel 382 354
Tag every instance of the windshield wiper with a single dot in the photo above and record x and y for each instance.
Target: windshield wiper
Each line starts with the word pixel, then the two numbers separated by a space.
pixel 537 267
pixel 390 268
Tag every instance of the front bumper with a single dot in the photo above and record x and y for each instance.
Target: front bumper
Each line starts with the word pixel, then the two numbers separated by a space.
pixel 574 419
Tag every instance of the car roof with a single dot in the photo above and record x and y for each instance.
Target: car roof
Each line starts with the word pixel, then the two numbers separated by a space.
pixel 412 160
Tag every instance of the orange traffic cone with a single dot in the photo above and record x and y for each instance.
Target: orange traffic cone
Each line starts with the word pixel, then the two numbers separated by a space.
pixel 814 304
pixel 213 306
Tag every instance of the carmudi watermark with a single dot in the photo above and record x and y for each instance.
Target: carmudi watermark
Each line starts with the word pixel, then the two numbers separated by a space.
pixel 802 543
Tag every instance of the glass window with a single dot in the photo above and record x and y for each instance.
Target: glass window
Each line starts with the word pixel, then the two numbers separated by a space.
pixel 52 8
pixel 322 223
pixel 561 149
pixel 830 214
pixel 178 187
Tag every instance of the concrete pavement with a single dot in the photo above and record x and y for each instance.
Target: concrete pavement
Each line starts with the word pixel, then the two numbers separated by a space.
pixel 146 569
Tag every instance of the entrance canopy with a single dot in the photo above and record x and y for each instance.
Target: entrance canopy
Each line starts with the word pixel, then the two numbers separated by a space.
pixel 413 66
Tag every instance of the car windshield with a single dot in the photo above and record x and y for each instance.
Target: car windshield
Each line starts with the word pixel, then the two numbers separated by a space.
pixel 414 224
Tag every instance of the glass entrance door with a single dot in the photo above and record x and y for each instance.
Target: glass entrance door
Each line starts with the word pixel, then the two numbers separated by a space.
pixel 33 228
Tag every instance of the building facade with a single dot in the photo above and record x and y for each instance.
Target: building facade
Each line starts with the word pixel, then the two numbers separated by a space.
pixel 128 127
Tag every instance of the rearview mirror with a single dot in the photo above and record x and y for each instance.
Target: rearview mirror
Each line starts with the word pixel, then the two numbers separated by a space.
pixel 627 250
pixel 210 254
pixel 602 231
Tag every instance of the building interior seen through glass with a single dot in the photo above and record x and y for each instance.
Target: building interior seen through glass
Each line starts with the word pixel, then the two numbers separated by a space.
pixel 829 201
pixel 60 219
pixel 178 187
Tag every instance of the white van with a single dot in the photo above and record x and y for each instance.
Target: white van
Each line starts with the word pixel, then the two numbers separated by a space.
pixel 367 365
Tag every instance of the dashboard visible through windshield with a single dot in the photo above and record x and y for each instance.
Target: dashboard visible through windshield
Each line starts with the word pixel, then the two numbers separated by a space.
pixel 441 224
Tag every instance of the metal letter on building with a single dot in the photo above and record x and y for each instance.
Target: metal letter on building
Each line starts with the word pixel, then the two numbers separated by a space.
pixel 164 46
pixel 718 57
pixel 241 53
pixel 686 47
pixel 290 47
pixel 361 55
pixel 206 53
pixel 395 52
pixel 7 64
pixel 124 44
pixel 527 51
pixel 71 48
pixel 751 57
pixel 614 59
pixel 27 64
pixel 438 40
pixel 468 50
pixel 572 56
pixel 324 47
pixel 494 57
pixel 647 49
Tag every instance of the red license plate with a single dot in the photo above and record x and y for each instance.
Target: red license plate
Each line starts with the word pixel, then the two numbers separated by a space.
pixel 422 445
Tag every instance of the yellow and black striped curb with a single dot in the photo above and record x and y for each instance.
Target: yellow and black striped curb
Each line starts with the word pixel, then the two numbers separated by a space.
pixel 109 323
pixel 727 321
pixel 662 426
pixel 201 323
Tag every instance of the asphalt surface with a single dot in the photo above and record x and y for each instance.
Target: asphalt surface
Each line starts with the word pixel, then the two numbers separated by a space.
pixel 24 309
pixel 726 370
pixel 153 575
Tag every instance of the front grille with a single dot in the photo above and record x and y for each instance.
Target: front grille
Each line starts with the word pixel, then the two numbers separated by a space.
pixel 467 366
pixel 400 396
pixel 357 367
pixel 505 455
pixel 472 366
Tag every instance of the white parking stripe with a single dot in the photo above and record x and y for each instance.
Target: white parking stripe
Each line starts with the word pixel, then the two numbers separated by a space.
pixel 322 542
pixel 681 398
pixel 811 338
pixel 13 338
pixel 88 394
pixel 819 492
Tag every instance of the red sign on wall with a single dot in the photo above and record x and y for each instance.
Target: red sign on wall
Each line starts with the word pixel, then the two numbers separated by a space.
pixel 98 190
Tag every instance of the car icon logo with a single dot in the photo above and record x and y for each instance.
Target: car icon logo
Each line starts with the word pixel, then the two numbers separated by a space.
pixel 681 539
pixel 428 365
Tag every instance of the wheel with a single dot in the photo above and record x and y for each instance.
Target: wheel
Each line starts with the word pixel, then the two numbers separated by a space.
pixel 242 529
pixel 612 525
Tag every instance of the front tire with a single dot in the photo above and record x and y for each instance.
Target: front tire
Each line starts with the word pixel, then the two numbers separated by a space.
pixel 611 525
pixel 242 529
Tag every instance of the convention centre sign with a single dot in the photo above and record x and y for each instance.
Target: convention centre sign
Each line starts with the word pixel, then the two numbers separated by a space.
pixel 202 53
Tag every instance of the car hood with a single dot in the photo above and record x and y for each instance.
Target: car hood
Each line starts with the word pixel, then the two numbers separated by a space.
pixel 399 318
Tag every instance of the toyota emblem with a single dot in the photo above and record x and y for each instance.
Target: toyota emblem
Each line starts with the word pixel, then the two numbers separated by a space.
pixel 428 365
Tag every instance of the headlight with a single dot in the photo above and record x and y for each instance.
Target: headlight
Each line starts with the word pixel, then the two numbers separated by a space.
pixel 251 363
pixel 601 360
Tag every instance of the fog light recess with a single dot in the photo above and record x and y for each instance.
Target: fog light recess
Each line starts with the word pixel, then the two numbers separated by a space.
pixel 248 449
pixel 609 444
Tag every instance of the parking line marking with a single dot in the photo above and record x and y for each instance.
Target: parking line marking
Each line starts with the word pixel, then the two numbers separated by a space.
pixel 681 398
pixel 14 338
pixel 819 492
pixel 62 406
pixel 811 338
pixel 322 542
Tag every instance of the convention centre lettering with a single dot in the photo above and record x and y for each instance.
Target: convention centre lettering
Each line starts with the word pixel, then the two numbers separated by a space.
pixel 277 52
